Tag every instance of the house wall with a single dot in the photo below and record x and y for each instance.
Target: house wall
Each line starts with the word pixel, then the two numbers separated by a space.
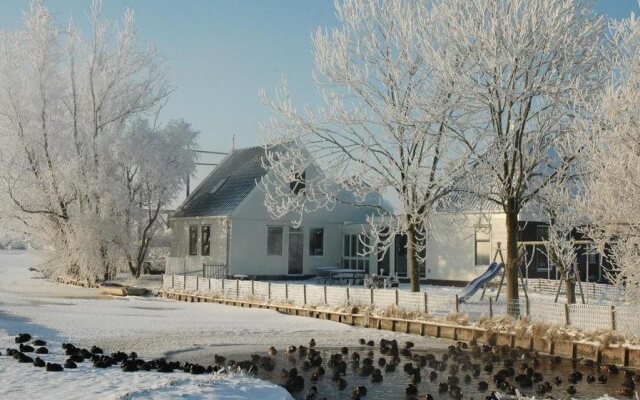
pixel 180 240
pixel 451 256
pixel 451 253
pixel 248 244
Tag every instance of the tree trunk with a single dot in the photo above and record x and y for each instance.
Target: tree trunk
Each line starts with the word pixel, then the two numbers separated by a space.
pixel 512 267
pixel 570 285
pixel 412 261
pixel 135 270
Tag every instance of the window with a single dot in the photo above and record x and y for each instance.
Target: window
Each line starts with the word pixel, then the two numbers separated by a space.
pixel 316 241
pixel 542 232
pixel 483 245
pixel 298 184
pixel 354 249
pixel 193 240
pixel 206 240
pixel 541 261
pixel 274 241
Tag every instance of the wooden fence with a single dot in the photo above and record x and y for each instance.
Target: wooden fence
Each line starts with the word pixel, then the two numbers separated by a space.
pixel 621 318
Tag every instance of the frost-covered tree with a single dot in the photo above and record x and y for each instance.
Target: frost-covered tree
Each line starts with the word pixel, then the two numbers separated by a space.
pixel 152 166
pixel 66 97
pixel 558 199
pixel 530 60
pixel 612 160
pixel 384 126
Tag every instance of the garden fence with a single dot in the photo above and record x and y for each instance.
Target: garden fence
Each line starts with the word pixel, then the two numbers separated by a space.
pixel 621 318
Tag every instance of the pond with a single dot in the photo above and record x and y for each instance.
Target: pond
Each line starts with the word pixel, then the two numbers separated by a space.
pixel 456 372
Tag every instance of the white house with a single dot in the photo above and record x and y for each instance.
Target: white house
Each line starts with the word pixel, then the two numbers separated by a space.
pixel 225 226
pixel 224 222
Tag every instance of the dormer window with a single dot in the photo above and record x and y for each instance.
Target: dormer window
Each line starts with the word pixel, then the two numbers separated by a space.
pixel 297 186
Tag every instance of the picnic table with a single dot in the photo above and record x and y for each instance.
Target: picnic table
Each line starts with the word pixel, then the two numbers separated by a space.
pixel 340 274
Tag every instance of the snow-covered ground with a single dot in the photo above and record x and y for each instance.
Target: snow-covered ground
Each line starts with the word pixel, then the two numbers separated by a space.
pixel 152 327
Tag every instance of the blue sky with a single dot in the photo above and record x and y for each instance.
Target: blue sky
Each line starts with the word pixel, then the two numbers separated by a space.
pixel 221 52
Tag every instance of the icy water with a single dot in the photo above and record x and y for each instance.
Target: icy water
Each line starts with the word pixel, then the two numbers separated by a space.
pixel 394 383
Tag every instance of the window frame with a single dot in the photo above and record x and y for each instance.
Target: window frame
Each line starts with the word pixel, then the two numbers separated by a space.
pixel 547 266
pixel 354 261
pixel 269 228
pixel 483 230
pixel 202 241
pixel 311 242
pixel 193 245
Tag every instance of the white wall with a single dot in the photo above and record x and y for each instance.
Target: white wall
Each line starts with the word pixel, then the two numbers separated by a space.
pixel 180 240
pixel 248 244
pixel 451 252
pixel 451 256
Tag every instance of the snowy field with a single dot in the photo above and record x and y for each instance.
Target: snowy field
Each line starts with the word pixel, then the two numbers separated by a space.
pixel 152 327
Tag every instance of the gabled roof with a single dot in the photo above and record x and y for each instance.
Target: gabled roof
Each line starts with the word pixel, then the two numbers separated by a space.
pixel 226 186
pixel 462 201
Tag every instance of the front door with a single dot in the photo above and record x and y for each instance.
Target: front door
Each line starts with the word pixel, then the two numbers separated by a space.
pixel 296 247
pixel 400 255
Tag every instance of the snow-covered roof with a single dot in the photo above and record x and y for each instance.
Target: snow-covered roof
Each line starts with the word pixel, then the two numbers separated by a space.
pixel 226 186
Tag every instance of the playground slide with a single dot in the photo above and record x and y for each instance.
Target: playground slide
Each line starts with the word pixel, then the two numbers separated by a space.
pixel 474 285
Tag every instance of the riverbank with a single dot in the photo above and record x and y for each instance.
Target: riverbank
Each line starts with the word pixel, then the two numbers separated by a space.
pixel 152 327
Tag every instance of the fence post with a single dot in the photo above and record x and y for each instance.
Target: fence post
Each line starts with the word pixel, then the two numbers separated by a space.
pixel 457 304
pixel 197 283
pixel 184 282
pixel 491 307
pixel 526 302
pixel 173 281
pixel 348 297
pixel 613 318
pixel 426 304
pixel 253 290
pixel 286 292
pixel 397 298
pixel 304 294
pixel 222 285
pixel 237 288
pixel 269 291
pixel 566 314
pixel 325 294
pixel 209 279
pixel 371 296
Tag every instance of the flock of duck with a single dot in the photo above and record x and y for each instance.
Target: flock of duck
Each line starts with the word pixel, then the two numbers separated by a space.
pixel 510 369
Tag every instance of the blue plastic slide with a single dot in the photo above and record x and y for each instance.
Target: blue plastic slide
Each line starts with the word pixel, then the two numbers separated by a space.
pixel 474 285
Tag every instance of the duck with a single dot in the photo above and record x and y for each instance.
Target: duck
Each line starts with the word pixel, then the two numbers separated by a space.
pixel 22 338
pixel 70 364
pixel 76 358
pixel 42 350
pixel 411 390
pixel 25 348
pixel 376 376
pixel 51 367
pixel 38 362
pixel 39 342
